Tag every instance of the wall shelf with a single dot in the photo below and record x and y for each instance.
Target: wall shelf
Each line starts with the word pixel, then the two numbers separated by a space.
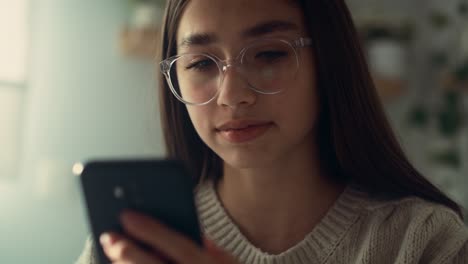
pixel 139 43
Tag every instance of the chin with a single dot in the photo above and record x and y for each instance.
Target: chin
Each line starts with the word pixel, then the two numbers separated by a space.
pixel 247 161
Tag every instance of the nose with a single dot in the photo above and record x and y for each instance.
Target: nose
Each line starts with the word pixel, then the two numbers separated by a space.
pixel 234 89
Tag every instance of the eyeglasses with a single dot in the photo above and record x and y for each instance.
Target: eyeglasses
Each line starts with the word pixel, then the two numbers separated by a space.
pixel 266 65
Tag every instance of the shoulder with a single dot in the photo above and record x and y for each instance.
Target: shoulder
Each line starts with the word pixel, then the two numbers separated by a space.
pixel 426 230
pixel 404 213
pixel 413 211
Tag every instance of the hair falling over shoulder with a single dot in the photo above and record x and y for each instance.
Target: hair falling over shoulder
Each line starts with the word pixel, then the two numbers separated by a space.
pixel 356 142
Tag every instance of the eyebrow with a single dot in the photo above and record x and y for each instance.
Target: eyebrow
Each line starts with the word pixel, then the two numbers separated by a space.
pixel 264 28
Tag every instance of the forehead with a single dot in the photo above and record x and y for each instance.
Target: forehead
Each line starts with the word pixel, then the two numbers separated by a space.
pixel 227 19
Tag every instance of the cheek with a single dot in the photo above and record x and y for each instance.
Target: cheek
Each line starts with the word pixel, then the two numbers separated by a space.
pixel 200 117
pixel 300 105
pixel 308 91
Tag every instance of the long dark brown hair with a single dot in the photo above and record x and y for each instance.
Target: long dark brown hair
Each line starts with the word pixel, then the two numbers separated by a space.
pixel 356 142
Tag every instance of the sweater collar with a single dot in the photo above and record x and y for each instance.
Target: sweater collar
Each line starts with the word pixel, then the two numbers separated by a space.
pixel 316 247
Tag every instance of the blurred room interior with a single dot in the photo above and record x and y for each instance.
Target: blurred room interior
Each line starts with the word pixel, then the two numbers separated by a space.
pixel 77 81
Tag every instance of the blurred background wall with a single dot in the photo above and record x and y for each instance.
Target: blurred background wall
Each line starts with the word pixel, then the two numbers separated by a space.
pixel 88 91
pixel 82 99
pixel 418 55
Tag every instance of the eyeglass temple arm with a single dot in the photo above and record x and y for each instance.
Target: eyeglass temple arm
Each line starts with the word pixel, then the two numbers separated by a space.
pixel 302 42
pixel 164 66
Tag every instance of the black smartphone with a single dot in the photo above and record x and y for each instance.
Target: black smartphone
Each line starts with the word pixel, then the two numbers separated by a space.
pixel 162 189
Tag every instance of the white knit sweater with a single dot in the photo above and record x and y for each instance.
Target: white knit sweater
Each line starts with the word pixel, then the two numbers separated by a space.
pixel 356 229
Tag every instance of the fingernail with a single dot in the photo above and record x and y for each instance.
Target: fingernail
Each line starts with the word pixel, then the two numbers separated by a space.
pixel 105 239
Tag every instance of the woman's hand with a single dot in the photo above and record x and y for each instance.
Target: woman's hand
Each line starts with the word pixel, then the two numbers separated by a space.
pixel 167 246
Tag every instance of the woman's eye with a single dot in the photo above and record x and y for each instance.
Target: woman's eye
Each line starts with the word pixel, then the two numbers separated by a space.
pixel 270 55
pixel 200 65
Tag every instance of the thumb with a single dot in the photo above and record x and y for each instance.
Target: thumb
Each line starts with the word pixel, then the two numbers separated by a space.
pixel 218 254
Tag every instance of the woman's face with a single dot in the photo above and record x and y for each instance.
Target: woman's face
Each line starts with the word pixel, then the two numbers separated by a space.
pixel 245 128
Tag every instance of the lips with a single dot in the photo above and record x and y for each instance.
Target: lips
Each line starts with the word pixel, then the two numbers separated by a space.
pixel 240 131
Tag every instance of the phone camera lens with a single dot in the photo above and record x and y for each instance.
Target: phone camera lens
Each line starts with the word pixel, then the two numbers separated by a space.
pixel 119 192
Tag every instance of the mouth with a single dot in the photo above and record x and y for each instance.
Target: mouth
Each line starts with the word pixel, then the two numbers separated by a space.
pixel 241 131
pixel 240 124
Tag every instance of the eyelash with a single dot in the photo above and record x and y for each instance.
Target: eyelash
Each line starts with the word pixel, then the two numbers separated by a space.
pixel 198 65
pixel 270 55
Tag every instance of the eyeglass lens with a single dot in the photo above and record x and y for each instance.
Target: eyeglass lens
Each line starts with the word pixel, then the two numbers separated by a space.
pixel 266 66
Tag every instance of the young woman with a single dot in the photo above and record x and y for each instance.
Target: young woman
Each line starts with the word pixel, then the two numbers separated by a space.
pixel 271 106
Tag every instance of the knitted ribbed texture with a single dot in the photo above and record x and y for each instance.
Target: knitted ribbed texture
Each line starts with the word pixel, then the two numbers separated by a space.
pixel 355 230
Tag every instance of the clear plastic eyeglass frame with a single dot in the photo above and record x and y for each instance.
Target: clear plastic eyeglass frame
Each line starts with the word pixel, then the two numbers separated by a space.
pixel 223 65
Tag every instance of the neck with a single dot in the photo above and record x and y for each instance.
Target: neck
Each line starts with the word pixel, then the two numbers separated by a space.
pixel 276 207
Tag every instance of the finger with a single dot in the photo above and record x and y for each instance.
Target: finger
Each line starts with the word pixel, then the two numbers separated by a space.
pixel 218 254
pixel 109 238
pixel 172 244
pixel 209 245
pixel 123 250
